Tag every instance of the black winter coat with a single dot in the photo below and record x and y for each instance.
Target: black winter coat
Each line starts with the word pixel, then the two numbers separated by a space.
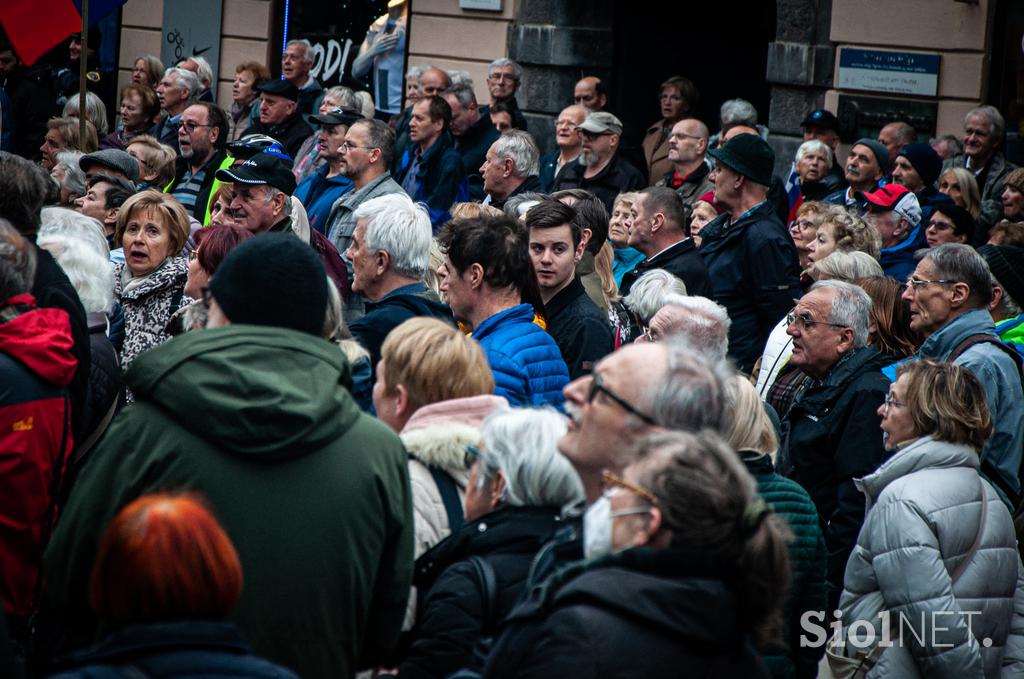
pixel 291 133
pixel 390 311
pixel 580 330
pixel 640 613
pixel 451 615
pixel 618 176
pixel 755 275
pixel 472 147
pixel 105 383
pixel 194 649
pixel 683 261
pixel 832 435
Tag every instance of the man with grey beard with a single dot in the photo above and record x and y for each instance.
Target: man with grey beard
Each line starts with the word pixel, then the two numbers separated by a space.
pixel 599 168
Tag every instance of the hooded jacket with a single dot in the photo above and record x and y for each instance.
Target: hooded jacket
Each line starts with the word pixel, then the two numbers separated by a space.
pixel 898 261
pixel 393 309
pixel 36 366
pixel 313 493
pixel 527 365
pixel 924 509
pixel 642 612
pixel 755 275
pixel 1001 456
pixel 831 435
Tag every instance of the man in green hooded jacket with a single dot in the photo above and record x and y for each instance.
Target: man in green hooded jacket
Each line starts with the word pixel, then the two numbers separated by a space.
pixel 255 416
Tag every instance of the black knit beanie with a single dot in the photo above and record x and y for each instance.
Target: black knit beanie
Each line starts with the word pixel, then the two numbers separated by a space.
pixel 273 279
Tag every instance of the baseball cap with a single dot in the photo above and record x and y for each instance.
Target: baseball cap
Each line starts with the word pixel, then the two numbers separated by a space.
pixel 262 168
pixel 749 155
pixel 897 198
pixel 600 122
pixel 114 159
pixel 251 144
pixel 821 118
pixel 280 88
pixel 337 116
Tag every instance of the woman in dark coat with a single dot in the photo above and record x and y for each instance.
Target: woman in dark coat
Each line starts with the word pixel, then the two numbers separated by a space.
pixel 686 571
pixel 472 579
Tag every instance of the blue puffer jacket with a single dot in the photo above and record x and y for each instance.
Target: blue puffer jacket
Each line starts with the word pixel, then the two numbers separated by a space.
pixel 527 365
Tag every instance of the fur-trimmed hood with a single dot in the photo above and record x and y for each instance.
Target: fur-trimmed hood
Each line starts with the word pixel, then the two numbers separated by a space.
pixel 437 434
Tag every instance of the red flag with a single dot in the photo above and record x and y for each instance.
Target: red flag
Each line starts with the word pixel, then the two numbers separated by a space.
pixel 35 26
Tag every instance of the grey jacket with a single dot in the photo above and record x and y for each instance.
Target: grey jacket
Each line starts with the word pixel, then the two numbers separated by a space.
pixel 342 222
pixel 999 377
pixel 924 510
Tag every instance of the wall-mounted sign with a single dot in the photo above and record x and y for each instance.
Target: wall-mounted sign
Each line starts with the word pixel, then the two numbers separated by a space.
pixel 885 71
pixel 481 5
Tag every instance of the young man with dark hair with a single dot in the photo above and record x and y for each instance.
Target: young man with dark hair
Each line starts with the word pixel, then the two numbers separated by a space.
pixel 492 290
pixel 582 332
pixel 431 169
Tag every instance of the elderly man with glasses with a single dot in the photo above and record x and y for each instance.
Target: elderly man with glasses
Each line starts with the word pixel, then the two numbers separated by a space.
pixel 949 294
pixel 831 432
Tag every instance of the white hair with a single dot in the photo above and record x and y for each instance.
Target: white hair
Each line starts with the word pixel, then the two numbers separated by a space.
pixel 399 227
pixel 814 146
pixel 365 104
pixel 345 96
pixel 645 296
pixel 271 193
pixel 306 56
pixel 690 395
pixel 738 112
pixel 459 78
pixel 522 443
pixel 203 69
pixel 80 248
pixel 851 308
pixel 74 176
pixel 704 324
pixel 184 78
pixel 522 149
pixel 95 111
pixel 517 70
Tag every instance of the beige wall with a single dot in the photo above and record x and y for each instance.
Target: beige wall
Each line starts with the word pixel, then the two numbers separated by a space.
pixel 445 36
pixel 955 30
pixel 245 31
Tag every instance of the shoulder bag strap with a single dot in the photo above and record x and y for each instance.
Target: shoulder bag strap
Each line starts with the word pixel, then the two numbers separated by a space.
pixel 449 496
pixel 488 587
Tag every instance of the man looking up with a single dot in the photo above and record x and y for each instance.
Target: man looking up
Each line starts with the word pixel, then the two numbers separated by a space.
pixel 750 257
pixel 867 163
pixel 569 141
pixel 687 146
pixel 279 115
pixel 202 134
pixel 599 168
pixel 510 167
pixel 390 253
pixel 591 93
pixel 296 62
pixel 488 278
pixel 661 230
pixel 580 329
pixel 473 134
pixel 431 171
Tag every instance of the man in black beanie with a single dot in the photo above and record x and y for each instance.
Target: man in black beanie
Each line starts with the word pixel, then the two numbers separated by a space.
pixel 255 416
pixel 1006 263
pixel 867 163
pixel 917 166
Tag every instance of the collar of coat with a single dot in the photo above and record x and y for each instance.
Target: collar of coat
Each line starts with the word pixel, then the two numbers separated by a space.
pixel 924 453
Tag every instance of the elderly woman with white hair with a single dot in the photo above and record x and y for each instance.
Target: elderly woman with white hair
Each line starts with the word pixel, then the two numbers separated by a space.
pixel 813 163
pixel 469 582
pixel 80 248
pixel 631 315
pixel 69 177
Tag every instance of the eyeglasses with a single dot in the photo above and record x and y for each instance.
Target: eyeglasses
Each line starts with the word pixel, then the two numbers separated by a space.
pixel 804 321
pixel 502 78
pixel 194 255
pixel 191 125
pixel 803 225
pixel 619 482
pixel 918 283
pixel 345 146
pixel 940 226
pixel 890 401
pixel 596 385
pixel 472 455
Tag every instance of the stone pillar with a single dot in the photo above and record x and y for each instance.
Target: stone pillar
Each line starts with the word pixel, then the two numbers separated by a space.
pixel 800 68
pixel 556 42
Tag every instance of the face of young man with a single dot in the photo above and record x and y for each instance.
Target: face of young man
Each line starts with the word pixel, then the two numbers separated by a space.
pixel 554 258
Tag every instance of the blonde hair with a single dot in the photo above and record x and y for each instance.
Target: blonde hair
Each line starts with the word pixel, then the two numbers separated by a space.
pixel 169 211
pixel 434 362
pixel 474 211
pixel 431 279
pixel 846 266
pixel 968 189
pixel 749 427
pixel 157 157
pixel 627 197
pixel 603 266
pixel 69 130
pixel 947 402
pixel 852 232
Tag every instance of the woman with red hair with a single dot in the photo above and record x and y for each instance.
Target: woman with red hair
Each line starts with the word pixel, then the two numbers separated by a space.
pixel 164 580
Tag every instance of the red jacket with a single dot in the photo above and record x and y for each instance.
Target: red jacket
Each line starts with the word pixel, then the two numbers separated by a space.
pixel 36 366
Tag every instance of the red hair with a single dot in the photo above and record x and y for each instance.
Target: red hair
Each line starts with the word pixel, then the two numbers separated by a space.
pixel 165 557
pixel 215 242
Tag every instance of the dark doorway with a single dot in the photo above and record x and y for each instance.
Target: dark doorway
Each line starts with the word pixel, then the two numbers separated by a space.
pixel 723 49
pixel 1006 73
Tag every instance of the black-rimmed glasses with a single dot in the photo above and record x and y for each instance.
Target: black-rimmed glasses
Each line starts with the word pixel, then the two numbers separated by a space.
pixel 596 385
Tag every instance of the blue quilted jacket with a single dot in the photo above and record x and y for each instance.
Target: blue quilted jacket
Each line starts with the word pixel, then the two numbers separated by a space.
pixel 527 365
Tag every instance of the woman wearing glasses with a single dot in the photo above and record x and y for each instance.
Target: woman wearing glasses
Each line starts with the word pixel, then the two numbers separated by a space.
pixel 937 556
pixel 686 571
pixel 152 227
pixel 468 583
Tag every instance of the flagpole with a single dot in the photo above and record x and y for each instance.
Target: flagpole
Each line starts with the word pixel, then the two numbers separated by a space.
pixel 83 59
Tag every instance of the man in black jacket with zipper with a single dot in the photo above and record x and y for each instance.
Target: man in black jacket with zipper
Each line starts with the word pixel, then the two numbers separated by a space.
pixel 582 332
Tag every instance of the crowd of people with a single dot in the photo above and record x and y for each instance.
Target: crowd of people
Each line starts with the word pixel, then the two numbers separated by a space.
pixel 301 388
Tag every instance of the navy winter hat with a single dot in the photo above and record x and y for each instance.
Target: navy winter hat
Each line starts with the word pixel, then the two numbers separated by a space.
pixel 925 160
pixel 273 279
pixel 879 150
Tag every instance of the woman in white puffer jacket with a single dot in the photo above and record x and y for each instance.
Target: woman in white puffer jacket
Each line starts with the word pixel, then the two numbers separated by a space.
pixel 937 552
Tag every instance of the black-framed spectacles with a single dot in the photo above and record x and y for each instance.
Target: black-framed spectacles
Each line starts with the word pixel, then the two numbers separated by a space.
pixel 597 385
pixel 890 401
pixel 191 125
pixel 805 321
